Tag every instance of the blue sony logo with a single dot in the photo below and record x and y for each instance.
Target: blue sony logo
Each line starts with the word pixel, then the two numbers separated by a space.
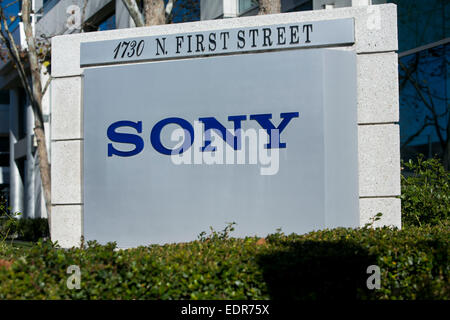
pixel 210 123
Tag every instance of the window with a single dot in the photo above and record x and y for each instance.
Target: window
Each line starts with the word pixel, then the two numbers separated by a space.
pixel 108 24
pixel 48 5
pixel 245 5
pixel 185 11
pixel 22 118
pixel 286 6
pixel 423 37
pixel 4 96
pixel 424 101
pixel 4 151
pixel 422 22
pixel 301 6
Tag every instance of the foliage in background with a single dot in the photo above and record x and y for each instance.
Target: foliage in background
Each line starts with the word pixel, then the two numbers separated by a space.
pixel 425 192
pixel 8 221
pixel 29 229
pixel 25 229
pixel 329 264
pixel 217 235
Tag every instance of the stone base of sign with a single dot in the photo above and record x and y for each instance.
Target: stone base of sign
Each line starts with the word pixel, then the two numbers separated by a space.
pixel 377 100
pixel 67 225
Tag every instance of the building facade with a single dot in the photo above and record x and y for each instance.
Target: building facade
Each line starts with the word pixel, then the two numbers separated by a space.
pixel 19 168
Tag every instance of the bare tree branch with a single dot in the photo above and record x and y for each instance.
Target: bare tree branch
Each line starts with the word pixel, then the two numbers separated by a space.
pixel 134 12
pixel 415 135
pixel 435 118
pixel 169 7
pixel 428 104
pixel 15 56
pixel 409 72
pixel 169 10
pixel 83 15
pixel 47 84
pixel 35 99
pixel 10 4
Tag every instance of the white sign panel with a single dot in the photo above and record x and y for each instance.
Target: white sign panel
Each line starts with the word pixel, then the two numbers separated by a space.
pixel 266 140
pixel 215 42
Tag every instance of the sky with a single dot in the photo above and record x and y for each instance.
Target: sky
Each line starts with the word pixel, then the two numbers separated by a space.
pixel 12 10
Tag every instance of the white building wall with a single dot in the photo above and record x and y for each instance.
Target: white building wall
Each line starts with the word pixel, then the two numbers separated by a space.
pixel 4 132
pixel 16 183
pixel 59 19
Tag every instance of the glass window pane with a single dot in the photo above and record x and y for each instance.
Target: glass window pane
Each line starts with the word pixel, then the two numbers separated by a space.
pixel 185 11
pixel 424 102
pixel 245 5
pixel 49 4
pixel 108 23
pixel 422 22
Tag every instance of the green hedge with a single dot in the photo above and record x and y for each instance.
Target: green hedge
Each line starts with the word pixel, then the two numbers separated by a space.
pixel 425 192
pixel 12 226
pixel 329 264
pixel 31 229
pixel 25 229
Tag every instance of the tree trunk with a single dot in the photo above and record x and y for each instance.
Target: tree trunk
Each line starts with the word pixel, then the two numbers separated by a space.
pixel 154 12
pixel 269 6
pixel 36 100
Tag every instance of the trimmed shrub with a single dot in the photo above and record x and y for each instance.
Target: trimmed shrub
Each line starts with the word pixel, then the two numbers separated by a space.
pixel 28 229
pixel 8 220
pixel 25 229
pixel 329 264
pixel 425 192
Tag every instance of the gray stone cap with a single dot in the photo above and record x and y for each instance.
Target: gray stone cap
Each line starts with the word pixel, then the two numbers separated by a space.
pixel 375 31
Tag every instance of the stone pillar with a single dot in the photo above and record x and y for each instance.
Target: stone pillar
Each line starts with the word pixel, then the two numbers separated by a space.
pixel 16 184
pixel 123 18
pixel 29 163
